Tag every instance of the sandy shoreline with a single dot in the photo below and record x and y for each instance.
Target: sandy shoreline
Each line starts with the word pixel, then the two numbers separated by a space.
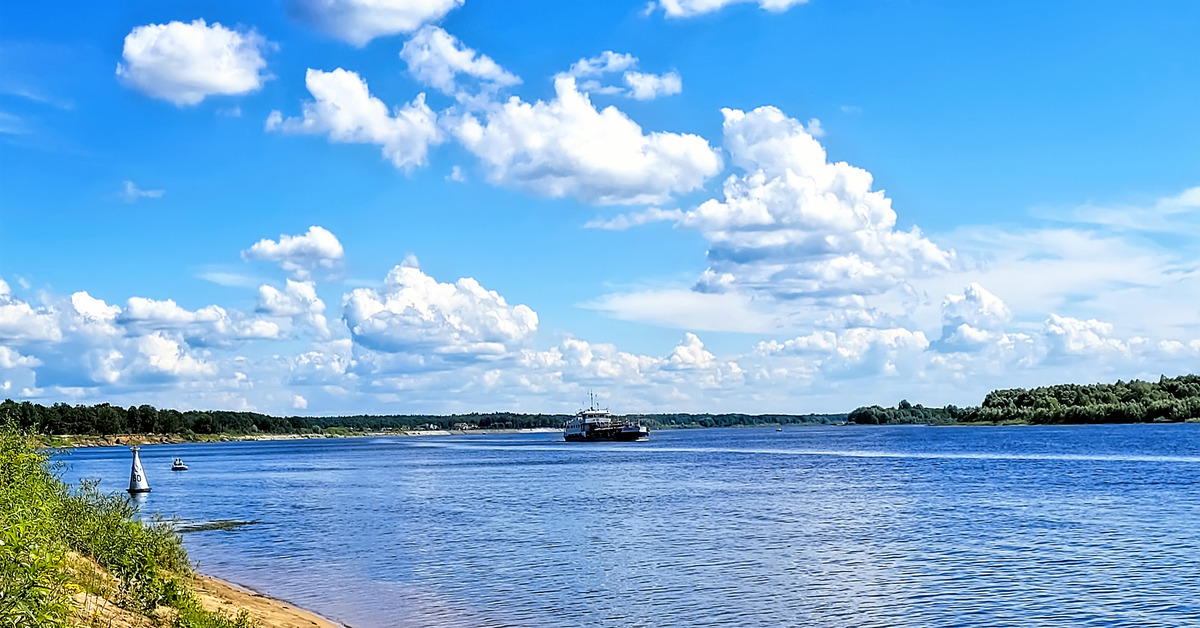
pixel 219 595
pixel 174 439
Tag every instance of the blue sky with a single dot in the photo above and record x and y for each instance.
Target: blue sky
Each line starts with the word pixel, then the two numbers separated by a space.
pixel 344 206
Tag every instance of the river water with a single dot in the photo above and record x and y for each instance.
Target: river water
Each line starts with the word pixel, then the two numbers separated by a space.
pixel 809 526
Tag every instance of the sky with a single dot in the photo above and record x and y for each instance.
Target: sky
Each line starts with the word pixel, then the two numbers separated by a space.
pixel 327 207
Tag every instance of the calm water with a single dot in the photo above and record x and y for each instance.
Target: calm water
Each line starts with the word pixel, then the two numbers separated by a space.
pixel 837 526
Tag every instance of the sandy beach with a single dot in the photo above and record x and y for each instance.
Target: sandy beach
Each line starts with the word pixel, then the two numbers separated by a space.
pixel 71 440
pixel 219 595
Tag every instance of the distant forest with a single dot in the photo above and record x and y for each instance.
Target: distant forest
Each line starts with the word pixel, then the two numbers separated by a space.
pixel 1171 399
pixel 1168 400
pixel 104 420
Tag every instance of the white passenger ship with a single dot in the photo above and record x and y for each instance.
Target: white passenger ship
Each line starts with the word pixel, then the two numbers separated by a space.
pixel 597 425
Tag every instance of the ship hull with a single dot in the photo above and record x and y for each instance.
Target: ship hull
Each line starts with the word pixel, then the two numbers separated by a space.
pixel 608 437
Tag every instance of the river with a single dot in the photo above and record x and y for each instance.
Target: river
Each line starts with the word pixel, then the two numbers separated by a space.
pixel 808 526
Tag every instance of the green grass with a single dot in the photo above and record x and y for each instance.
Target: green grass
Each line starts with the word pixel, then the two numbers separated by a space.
pixel 42 521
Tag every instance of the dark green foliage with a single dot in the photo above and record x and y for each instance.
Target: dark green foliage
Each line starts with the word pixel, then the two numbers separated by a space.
pixel 40 520
pixel 34 589
pixel 905 413
pixel 1171 399
pixel 104 420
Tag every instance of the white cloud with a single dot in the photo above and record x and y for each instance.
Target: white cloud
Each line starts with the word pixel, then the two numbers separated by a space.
pixel 690 354
pixel 130 192
pixel 566 147
pixel 643 86
pixel 209 325
pixel 360 21
pixel 688 309
pixel 604 63
pixel 21 322
pixel 638 85
pixel 12 359
pixel 577 363
pixel 93 309
pixel 300 255
pixel 1153 289
pixel 635 219
pixel 411 313
pixel 456 175
pixel 185 63
pixel 692 8
pixel 856 352
pixel 796 225
pixel 162 355
pixel 327 364
pixel 298 300
pixel 1072 336
pixel 973 318
pixel 1172 214
pixel 437 59
pixel 346 112
pixel 226 278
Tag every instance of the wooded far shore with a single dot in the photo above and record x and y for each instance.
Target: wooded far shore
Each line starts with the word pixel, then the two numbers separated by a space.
pixel 1171 399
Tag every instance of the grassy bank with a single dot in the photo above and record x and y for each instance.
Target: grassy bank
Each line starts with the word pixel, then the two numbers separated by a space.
pixel 81 558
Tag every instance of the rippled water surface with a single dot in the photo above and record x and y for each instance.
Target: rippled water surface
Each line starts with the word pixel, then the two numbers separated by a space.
pixel 810 526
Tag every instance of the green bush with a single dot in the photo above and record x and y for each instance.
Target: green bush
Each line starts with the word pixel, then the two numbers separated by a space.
pixel 41 520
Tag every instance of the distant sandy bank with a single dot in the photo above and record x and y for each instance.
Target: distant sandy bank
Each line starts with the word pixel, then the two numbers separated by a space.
pixel 154 439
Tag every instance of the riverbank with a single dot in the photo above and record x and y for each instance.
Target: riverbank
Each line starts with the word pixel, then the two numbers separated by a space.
pixel 73 556
pixel 225 597
pixel 98 602
pixel 86 440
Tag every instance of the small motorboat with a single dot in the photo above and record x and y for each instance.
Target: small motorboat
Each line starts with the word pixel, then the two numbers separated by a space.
pixel 178 465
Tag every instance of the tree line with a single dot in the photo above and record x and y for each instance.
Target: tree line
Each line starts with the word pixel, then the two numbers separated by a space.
pixel 1170 399
pixel 106 419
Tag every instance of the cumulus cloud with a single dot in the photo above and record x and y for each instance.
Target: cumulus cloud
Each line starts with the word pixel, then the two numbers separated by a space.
pixel 1066 336
pixel 185 63
pixel 411 313
pixel 209 325
pixel 604 63
pixel 973 318
pixel 360 21
pixel 677 375
pixel 83 343
pixel 437 59
pixel 11 359
pixel 131 193
pixel 692 8
pixel 301 254
pixel 161 355
pixel 21 322
pixel 566 147
pixel 637 85
pixel 298 300
pixel 344 110
pixel 855 352
pixel 645 86
pixel 796 225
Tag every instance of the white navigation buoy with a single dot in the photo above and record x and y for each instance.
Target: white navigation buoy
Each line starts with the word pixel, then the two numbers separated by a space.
pixel 137 477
